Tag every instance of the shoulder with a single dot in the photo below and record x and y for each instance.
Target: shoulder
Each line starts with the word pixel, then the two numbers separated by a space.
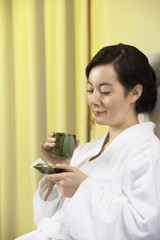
pixel 138 143
pixel 144 150
pixel 146 138
pixel 139 135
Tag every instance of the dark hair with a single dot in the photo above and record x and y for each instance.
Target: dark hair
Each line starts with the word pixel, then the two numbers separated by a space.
pixel 132 68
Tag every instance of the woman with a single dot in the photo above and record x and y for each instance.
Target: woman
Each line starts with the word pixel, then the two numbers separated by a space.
pixel 111 188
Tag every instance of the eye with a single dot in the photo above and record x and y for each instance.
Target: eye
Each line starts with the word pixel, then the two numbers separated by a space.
pixel 90 91
pixel 105 93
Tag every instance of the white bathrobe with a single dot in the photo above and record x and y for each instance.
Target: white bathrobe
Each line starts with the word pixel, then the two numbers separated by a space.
pixel 120 199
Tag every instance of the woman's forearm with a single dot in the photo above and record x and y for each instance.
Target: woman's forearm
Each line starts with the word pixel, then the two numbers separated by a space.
pixel 51 185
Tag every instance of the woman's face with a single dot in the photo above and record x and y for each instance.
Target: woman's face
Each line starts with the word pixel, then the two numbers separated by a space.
pixel 107 99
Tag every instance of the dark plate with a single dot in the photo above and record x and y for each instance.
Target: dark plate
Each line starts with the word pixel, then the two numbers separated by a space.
pixel 49 170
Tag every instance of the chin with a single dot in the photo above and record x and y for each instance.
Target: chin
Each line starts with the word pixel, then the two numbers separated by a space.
pixel 101 122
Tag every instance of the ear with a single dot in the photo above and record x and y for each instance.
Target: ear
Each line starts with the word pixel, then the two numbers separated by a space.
pixel 136 92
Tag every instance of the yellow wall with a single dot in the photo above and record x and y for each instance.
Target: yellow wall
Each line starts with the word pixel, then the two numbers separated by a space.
pixel 134 22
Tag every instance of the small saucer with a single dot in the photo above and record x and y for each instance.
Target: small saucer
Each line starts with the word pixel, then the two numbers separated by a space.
pixel 49 169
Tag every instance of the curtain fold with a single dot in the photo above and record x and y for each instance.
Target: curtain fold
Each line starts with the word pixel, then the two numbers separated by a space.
pixel 7 123
pixel 82 56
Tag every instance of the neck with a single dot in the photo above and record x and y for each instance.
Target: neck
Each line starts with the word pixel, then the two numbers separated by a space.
pixel 116 130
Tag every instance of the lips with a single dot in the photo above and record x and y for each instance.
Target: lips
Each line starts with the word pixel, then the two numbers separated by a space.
pixel 98 113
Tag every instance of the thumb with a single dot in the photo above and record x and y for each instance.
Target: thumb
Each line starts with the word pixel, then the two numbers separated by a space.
pixel 43 150
pixel 66 167
pixel 42 147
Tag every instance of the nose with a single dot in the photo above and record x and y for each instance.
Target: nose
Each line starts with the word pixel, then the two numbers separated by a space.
pixel 94 98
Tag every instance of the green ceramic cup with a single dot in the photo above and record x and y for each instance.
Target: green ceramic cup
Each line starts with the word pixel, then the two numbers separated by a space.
pixel 65 144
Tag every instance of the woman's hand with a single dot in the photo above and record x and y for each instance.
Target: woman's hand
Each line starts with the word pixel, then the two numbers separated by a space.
pixel 67 182
pixel 46 149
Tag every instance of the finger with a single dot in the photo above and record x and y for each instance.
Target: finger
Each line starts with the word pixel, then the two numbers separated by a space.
pixel 49 179
pixel 51 134
pixel 66 167
pixel 49 146
pixel 44 150
pixel 54 177
pixel 42 147
pixel 51 139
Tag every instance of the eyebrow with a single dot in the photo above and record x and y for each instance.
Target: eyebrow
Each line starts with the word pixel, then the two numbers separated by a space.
pixel 102 84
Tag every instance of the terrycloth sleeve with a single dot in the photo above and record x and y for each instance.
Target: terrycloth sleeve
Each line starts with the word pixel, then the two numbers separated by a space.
pixel 44 208
pixel 97 212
